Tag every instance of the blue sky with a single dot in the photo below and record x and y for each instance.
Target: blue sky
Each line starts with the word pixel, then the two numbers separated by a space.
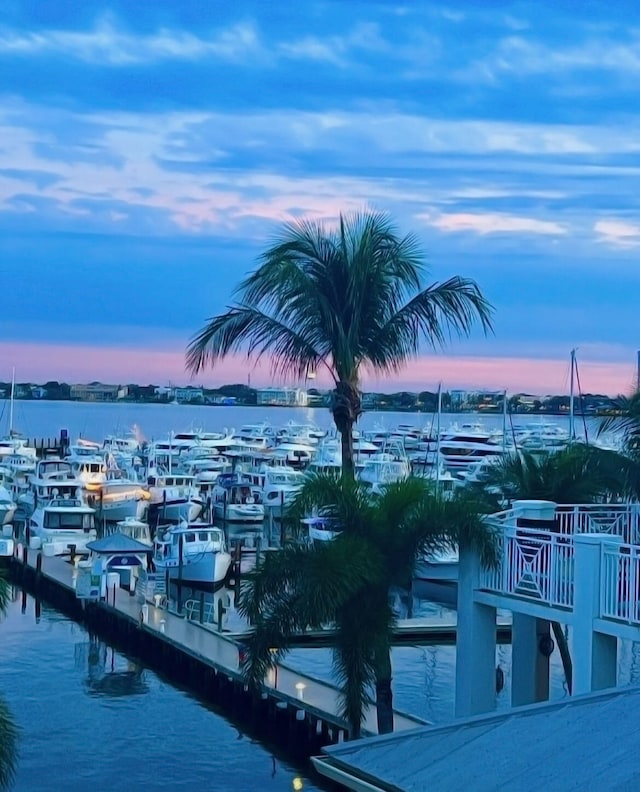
pixel 149 151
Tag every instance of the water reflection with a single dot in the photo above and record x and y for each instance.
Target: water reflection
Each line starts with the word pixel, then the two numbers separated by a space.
pixel 109 674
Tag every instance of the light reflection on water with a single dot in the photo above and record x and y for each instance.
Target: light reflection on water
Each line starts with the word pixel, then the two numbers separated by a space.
pixel 93 719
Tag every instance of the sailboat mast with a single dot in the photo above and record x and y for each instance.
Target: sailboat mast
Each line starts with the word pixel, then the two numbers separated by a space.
pixel 13 388
pixel 572 431
pixel 438 438
pixel 504 422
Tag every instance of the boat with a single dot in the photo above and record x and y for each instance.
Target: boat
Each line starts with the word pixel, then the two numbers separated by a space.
pixel 7 506
pixel 436 576
pixel 118 498
pixel 321 528
pixel 173 498
pixel 61 525
pixel 235 500
pixel 195 554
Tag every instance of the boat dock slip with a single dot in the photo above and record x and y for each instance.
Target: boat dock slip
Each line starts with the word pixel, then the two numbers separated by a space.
pixel 305 710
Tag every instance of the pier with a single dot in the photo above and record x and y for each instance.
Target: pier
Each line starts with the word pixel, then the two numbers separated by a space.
pixel 292 708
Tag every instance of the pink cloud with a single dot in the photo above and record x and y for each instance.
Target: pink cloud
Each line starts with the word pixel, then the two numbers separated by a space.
pixel 84 363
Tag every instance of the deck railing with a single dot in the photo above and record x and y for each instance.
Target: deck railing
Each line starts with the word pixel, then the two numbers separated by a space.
pixel 620 583
pixel 534 564
pixel 538 563
pixel 617 519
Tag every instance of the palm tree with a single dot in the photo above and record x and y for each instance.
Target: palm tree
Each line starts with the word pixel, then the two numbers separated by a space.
pixel 344 583
pixel 8 730
pixel 579 473
pixel 342 299
pixel 625 420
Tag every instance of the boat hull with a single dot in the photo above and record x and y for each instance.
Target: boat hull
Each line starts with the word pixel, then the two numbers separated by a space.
pixel 207 571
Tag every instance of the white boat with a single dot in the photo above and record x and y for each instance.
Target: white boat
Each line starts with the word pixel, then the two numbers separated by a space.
pixel 7 506
pixel 118 499
pixel 281 485
pixel 437 576
pixel 173 498
pixel 134 529
pixel 235 500
pixel 60 524
pixel 463 446
pixel 386 466
pixel 321 529
pixel 52 477
pixel 194 554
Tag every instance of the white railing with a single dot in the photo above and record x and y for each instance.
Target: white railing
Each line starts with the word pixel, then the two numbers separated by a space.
pixel 620 583
pixel 617 519
pixel 534 564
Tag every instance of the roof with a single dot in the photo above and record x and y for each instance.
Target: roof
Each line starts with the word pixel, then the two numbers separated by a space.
pixel 117 543
pixel 589 742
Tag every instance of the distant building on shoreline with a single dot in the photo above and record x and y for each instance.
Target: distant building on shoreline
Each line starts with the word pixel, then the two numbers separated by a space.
pixel 94 391
pixel 282 397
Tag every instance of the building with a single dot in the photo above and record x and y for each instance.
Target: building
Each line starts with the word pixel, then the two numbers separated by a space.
pixel 94 391
pixel 187 395
pixel 282 397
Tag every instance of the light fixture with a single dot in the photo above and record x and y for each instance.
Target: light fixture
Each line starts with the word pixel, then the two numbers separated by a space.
pixel 300 686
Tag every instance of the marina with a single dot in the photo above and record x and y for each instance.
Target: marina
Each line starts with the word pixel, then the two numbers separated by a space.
pixel 187 628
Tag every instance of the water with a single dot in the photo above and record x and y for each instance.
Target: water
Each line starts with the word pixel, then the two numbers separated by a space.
pixel 90 718
pixel 96 420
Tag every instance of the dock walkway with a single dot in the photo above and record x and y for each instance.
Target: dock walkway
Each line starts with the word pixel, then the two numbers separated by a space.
pixel 220 651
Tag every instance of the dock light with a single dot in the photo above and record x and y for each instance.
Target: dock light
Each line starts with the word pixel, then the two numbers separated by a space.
pixel 297 784
pixel 300 686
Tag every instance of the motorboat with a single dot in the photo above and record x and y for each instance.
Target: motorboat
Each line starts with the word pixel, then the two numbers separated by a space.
pixel 236 500
pixel 62 524
pixel 173 498
pixel 436 576
pixel 194 554
pixel 321 528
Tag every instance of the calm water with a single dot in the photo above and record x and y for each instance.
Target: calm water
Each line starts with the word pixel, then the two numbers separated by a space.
pixel 92 719
pixel 156 421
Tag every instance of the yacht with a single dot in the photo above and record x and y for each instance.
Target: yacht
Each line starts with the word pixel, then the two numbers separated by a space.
pixel 462 446
pixel 173 497
pixel 235 500
pixel 194 554
pixel 61 524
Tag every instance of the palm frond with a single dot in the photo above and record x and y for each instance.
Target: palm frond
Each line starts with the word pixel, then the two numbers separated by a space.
pixel 435 314
pixel 256 332
pixel 299 588
pixel 5 592
pixel 9 734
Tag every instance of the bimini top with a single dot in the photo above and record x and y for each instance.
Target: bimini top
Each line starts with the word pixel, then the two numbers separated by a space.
pixel 117 543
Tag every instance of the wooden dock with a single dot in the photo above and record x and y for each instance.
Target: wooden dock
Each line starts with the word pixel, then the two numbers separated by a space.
pixel 297 707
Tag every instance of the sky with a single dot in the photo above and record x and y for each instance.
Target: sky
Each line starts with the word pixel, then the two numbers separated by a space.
pixel 150 151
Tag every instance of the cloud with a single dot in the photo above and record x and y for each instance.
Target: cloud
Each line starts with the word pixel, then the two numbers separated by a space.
pixel 618 233
pixel 492 224
pixel 108 45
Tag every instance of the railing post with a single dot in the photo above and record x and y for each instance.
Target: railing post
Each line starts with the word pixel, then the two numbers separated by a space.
pixel 475 643
pixel 594 653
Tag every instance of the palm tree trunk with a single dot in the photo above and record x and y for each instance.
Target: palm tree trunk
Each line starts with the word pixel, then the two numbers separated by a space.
pixel 346 407
pixel 346 437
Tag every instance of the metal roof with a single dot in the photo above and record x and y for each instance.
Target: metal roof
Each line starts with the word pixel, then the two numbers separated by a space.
pixel 118 543
pixel 586 742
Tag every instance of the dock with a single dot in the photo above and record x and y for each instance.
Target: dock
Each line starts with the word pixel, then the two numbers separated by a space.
pixel 291 707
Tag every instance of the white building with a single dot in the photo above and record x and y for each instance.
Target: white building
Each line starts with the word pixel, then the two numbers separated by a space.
pixel 282 397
